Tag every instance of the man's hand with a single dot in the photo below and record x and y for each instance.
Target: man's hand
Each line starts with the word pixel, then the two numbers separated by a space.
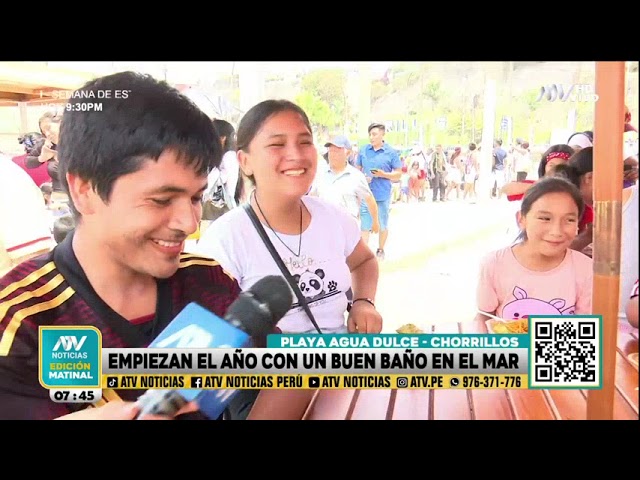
pixel 364 318
pixel 121 411
pixel 379 174
pixel 375 227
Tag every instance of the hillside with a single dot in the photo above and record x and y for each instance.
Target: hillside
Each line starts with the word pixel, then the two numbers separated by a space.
pixel 464 80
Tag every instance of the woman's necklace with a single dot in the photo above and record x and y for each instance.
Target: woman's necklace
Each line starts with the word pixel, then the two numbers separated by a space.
pixel 255 197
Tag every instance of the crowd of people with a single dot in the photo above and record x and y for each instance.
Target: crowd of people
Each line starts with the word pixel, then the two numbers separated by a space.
pixel 139 179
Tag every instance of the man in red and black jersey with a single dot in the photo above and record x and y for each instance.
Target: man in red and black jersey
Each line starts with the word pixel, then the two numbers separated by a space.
pixel 54 290
pixel 135 173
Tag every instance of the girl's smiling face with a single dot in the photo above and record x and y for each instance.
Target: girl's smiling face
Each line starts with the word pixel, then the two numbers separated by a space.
pixel 282 156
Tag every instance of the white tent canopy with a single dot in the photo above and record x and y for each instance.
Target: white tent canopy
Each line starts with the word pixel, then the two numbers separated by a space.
pixel 214 106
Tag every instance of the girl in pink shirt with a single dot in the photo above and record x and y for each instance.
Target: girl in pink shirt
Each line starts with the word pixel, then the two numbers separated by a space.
pixel 540 275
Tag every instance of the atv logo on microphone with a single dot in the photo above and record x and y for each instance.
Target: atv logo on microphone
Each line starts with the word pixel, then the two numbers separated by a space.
pixel 70 357
pixel 574 93
pixel 191 336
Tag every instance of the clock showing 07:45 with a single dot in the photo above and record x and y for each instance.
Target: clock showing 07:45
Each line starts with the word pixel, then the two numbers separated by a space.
pixel 75 395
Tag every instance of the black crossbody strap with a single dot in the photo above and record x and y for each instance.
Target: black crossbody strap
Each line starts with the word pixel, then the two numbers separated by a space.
pixel 283 268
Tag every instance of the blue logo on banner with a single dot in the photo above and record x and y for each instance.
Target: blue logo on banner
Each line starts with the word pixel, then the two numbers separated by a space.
pixel 70 357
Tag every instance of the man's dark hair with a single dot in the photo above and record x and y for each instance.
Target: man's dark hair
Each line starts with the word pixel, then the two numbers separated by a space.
pixel 376 125
pixel 138 118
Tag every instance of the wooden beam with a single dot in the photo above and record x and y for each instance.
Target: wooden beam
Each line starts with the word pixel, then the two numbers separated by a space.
pixel 607 196
pixel 37 76
pixel 46 100
pixel 13 97
pixel 14 87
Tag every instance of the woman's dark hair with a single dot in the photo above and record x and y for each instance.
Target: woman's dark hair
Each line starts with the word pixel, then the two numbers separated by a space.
pixel 226 130
pixel 103 145
pixel 472 146
pixel 582 161
pixel 578 166
pixel 254 119
pixel 545 186
pixel 237 195
pixel 565 170
pixel 559 148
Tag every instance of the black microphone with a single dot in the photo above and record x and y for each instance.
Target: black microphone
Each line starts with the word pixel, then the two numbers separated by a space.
pixel 254 313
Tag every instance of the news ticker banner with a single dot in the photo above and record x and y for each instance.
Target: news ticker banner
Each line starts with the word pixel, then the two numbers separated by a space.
pixel 559 352
pixel 302 381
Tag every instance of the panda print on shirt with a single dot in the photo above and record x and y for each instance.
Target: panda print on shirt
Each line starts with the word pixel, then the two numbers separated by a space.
pixel 316 288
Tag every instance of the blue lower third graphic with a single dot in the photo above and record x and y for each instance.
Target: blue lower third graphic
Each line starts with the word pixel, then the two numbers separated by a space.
pixel 70 357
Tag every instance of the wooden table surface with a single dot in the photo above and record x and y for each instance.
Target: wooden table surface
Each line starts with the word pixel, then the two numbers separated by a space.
pixel 482 404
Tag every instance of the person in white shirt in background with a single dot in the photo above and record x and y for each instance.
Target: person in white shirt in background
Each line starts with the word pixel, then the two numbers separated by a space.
pixel 343 184
pixel 521 165
pixel 581 140
pixel 229 167
pixel 629 239
pixel 227 176
pixel 25 222
pixel 629 263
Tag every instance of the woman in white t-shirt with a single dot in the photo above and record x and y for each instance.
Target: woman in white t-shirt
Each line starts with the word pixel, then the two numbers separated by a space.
pixel 319 243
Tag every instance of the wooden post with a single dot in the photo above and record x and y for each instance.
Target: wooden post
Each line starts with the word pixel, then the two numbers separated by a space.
pixel 607 196
pixel 24 117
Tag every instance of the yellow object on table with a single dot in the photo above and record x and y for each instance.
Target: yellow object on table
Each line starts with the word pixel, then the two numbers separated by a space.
pixel 195 235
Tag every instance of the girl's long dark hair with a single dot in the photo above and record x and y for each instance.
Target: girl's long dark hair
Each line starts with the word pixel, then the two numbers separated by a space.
pixel 239 189
pixel 579 165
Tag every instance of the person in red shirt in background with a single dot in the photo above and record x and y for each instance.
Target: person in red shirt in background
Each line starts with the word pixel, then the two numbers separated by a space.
pixel 627 121
pixel 38 174
pixel 555 155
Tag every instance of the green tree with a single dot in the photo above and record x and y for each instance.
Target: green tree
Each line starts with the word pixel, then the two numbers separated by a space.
pixel 431 92
pixel 328 85
pixel 323 119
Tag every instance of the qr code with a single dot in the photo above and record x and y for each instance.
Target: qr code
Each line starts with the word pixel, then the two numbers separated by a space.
pixel 565 352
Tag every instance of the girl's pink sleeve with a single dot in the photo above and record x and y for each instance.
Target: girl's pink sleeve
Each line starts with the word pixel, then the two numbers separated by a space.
pixel 486 294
